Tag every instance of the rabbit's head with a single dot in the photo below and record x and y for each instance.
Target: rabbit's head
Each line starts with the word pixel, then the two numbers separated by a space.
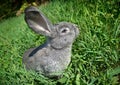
pixel 59 35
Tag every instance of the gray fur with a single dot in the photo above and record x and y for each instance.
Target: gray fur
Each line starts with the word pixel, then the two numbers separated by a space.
pixel 53 57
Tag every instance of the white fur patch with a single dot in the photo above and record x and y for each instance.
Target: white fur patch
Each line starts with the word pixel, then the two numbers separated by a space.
pixel 38 27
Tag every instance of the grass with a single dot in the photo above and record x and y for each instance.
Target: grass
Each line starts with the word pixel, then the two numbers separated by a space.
pixel 95 53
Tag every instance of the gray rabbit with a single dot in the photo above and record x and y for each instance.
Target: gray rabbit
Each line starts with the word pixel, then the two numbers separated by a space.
pixel 53 57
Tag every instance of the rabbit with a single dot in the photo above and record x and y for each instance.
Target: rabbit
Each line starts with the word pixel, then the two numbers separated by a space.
pixel 53 57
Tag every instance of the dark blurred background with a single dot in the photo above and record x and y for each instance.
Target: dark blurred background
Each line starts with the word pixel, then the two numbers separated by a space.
pixel 9 8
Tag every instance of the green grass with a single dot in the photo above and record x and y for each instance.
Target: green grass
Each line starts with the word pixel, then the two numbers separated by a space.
pixel 95 53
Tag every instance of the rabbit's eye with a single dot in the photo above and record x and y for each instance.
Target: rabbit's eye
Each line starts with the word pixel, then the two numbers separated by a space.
pixel 64 30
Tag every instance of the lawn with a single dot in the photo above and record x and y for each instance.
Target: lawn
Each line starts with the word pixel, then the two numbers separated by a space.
pixel 95 53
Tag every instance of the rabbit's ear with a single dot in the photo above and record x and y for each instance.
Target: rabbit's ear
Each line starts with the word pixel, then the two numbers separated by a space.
pixel 37 21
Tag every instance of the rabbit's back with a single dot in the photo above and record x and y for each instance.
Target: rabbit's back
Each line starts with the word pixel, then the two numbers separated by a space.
pixel 26 59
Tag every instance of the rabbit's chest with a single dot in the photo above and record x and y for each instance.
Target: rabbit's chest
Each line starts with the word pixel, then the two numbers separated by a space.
pixel 53 60
pixel 61 57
